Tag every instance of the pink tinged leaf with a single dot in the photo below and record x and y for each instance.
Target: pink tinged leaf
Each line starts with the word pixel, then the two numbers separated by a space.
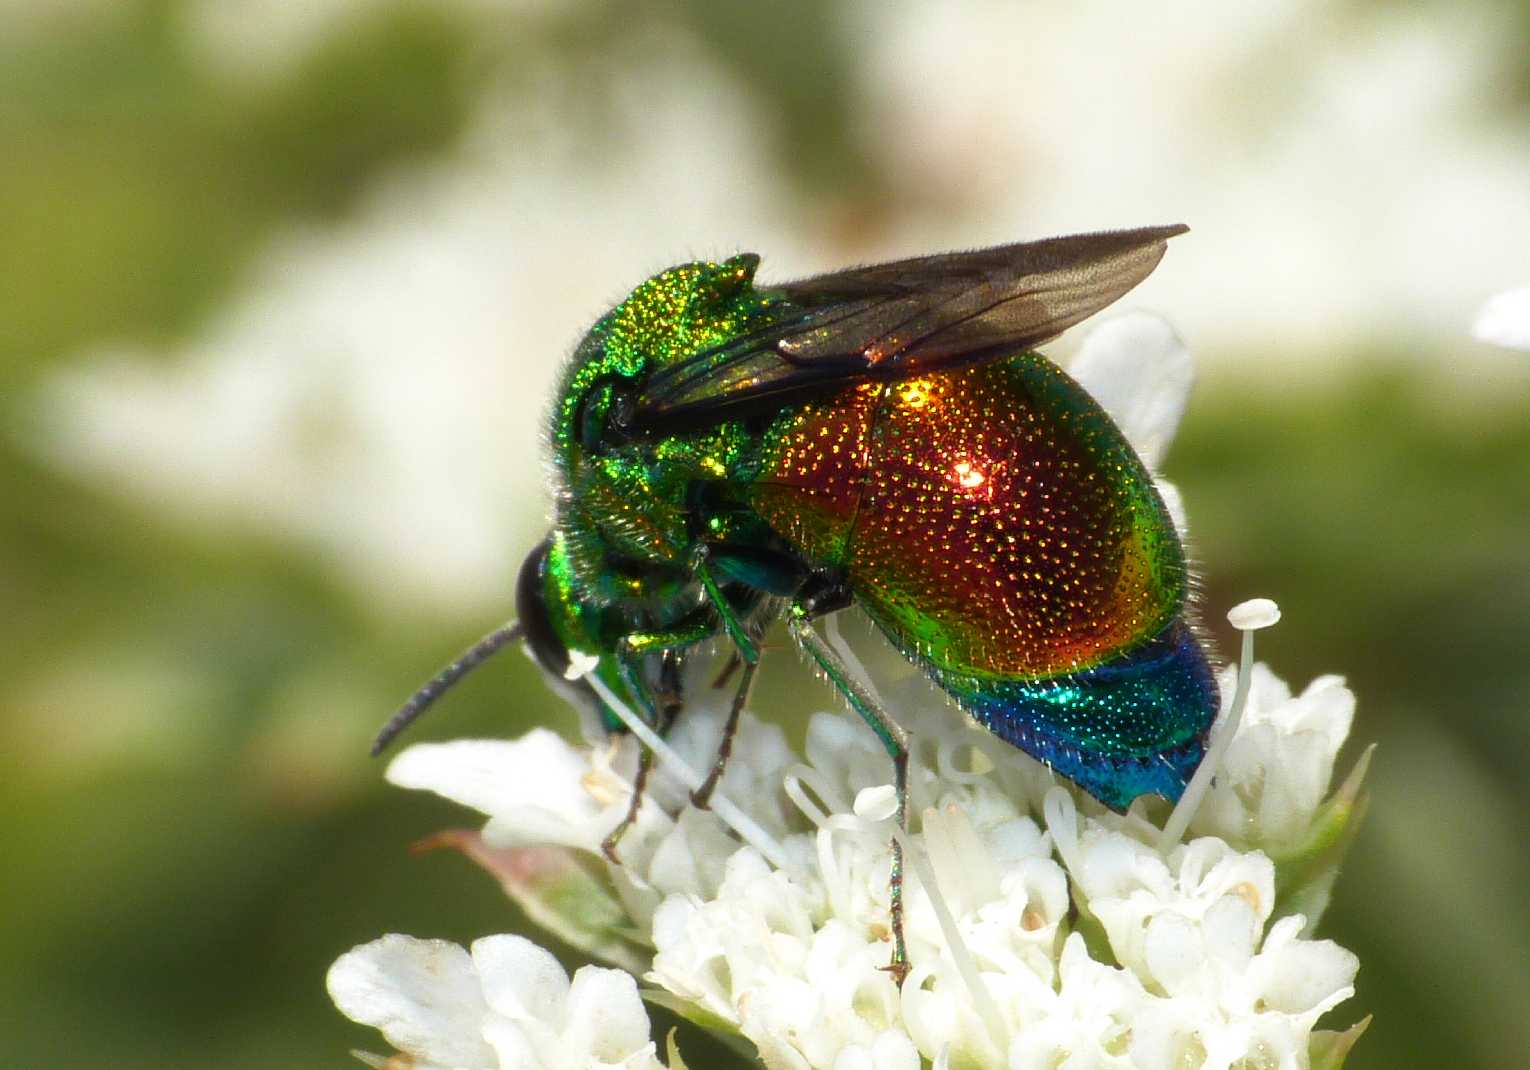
pixel 557 892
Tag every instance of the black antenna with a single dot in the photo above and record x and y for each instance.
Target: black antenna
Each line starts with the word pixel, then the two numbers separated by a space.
pixel 443 682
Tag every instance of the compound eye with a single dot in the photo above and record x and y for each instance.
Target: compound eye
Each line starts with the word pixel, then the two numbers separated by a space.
pixel 531 612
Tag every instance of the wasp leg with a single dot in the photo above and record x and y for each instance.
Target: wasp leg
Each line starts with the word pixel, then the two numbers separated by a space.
pixel 726 672
pixel 635 686
pixel 894 739
pixel 703 795
pixel 667 703
pixel 746 652
pixel 613 838
pixel 669 692
pixel 658 709
pixel 745 644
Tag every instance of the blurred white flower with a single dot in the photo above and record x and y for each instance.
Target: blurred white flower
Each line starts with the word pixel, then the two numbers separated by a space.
pixel 1295 201
pixel 1137 368
pixel 504 1005
pixel 1505 320
pixel 1140 372
pixel 374 391
pixel 553 799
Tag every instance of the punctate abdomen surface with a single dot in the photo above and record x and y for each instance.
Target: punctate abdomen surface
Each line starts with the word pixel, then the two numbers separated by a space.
pixel 992 520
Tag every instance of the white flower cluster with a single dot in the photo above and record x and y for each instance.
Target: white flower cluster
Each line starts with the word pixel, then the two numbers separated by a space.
pixel 1087 947
pixel 1043 931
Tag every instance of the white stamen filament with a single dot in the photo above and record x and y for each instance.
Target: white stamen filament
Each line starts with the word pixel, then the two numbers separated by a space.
pixel 1252 616
pixel 945 762
pixel 1062 822
pixel 836 639
pixel 747 828
pixel 792 783
pixel 966 871
pixel 966 966
pixel 839 878
pixel 836 878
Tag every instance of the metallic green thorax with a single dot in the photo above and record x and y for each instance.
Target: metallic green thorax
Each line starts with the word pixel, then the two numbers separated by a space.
pixel 625 504
pixel 629 500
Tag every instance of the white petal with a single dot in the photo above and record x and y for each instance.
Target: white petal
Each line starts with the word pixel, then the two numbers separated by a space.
pixel 531 788
pixel 1230 930
pixel 891 1050
pixel 1266 691
pixel 777 1054
pixel 690 960
pixel 422 994
pixel 1137 368
pixel 1174 504
pixel 521 981
pixel 692 856
pixel 1297 768
pixel 514 1048
pixel 1277 770
pixel 1300 974
pixel 1505 320
pixel 1163 1037
pixel 1114 864
pixel 854 1057
pixel 606 1019
pixel 1326 706
pixel 847 755
pixel 760 758
pixel 1172 951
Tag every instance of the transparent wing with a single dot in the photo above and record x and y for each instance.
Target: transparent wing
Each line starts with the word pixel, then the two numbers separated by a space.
pixel 911 316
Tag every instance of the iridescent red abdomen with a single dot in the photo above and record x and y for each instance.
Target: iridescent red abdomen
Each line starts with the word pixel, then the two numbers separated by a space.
pixel 999 529
pixel 990 519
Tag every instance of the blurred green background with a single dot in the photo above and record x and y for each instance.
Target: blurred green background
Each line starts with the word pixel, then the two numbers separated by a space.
pixel 282 287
